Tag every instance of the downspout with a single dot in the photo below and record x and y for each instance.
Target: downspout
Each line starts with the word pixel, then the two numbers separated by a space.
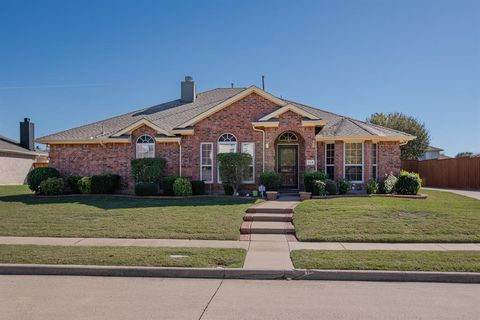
pixel 263 146
pixel 316 155
pixel 180 158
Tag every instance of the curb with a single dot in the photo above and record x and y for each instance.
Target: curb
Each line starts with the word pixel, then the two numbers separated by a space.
pixel 246 274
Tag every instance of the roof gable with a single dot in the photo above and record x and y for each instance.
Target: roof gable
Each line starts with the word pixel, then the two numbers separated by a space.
pixel 292 108
pixel 138 124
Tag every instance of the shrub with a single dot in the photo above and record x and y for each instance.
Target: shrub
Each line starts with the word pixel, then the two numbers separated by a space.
pixel 408 183
pixel 146 189
pixel 105 183
pixel 198 187
pixel 85 185
pixel 372 186
pixel 148 169
pixel 166 184
pixel 182 187
pixel 319 188
pixel 330 187
pixel 228 190
pixel 271 180
pixel 233 168
pixel 51 186
pixel 344 186
pixel 72 182
pixel 37 175
pixel 309 179
pixel 389 184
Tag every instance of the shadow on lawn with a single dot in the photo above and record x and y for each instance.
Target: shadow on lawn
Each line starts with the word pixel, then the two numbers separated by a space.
pixel 118 202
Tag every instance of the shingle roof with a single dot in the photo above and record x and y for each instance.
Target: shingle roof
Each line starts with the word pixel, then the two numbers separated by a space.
pixel 9 146
pixel 174 113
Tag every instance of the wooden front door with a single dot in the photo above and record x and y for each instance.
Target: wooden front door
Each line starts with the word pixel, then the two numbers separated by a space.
pixel 287 165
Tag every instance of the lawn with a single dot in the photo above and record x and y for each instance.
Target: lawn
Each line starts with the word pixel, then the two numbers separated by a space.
pixel 443 217
pixel 123 256
pixel 446 261
pixel 22 214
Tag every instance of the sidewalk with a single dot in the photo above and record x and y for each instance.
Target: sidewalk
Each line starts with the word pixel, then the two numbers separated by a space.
pixel 467 193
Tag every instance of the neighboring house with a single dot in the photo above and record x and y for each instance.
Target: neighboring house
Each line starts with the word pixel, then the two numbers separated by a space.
pixel 433 153
pixel 281 135
pixel 18 158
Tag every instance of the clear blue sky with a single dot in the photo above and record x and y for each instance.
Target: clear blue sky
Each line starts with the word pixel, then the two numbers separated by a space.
pixel 68 63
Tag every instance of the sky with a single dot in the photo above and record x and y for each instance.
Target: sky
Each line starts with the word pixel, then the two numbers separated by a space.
pixel 69 63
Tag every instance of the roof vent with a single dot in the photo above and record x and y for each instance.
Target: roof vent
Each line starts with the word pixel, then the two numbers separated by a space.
pixel 188 90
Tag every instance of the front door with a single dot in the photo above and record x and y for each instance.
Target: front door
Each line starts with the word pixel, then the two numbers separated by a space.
pixel 287 165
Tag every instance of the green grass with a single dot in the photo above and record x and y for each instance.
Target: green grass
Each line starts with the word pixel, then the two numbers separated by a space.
pixel 22 214
pixel 446 261
pixel 443 217
pixel 123 256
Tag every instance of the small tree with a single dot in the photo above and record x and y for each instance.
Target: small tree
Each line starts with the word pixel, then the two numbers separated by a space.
pixel 233 168
pixel 464 154
pixel 398 121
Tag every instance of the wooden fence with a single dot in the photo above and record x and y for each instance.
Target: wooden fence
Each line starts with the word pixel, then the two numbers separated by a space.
pixel 455 173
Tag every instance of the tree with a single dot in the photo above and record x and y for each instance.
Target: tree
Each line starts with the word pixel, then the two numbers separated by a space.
pixel 408 124
pixel 233 168
pixel 464 154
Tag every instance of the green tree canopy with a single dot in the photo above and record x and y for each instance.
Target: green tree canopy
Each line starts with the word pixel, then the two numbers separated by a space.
pixel 464 154
pixel 233 168
pixel 408 124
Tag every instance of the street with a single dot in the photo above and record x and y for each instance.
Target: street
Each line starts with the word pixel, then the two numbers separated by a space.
pixel 70 297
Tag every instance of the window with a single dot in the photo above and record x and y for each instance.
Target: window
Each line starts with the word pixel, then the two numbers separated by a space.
pixel 353 160
pixel 374 161
pixel 145 147
pixel 249 147
pixel 206 162
pixel 330 160
pixel 288 137
pixel 227 143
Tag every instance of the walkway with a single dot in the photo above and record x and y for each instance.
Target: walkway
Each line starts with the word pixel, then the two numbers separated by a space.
pixel 467 193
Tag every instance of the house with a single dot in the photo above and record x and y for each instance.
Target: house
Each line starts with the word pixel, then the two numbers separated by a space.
pixel 18 158
pixel 433 153
pixel 281 135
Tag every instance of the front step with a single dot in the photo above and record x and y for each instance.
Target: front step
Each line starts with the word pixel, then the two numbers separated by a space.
pixel 270 210
pixel 267 227
pixel 268 217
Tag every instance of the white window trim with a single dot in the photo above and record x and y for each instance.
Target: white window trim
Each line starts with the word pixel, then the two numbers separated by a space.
pixel 202 165
pixel 253 161
pixel 354 165
pixel 137 144
pixel 218 148
pixel 376 158
pixel 333 164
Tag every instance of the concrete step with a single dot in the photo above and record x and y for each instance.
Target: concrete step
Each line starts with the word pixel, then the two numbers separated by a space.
pixel 268 217
pixel 267 227
pixel 269 210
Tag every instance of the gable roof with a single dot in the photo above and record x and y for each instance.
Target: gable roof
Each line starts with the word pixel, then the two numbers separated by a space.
pixel 175 117
pixel 10 146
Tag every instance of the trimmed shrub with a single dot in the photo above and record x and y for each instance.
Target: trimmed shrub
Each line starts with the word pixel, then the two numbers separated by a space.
pixel 182 187
pixel 330 187
pixel 198 187
pixel 146 189
pixel 233 168
pixel 309 179
pixel 105 183
pixel 408 183
pixel 51 186
pixel 148 169
pixel 389 184
pixel 372 186
pixel 72 182
pixel 37 175
pixel 85 185
pixel 319 188
pixel 271 180
pixel 166 184
pixel 228 190
pixel 344 186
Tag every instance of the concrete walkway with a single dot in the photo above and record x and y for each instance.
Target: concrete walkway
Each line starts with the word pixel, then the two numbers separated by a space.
pixel 384 246
pixel 467 193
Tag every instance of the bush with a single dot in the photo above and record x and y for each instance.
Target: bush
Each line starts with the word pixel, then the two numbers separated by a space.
pixel 309 179
pixel 271 180
pixel 51 186
pixel 228 190
pixel 330 187
pixel 198 187
pixel 408 183
pixel 182 187
pixel 344 186
pixel 372 186
pixel 105 183
pixel 166 184
pixel 389 184
pixel 72 182
pixel 233 167
pixel 319 188
pixel 85 185
pixel 146 189
pixel 148 169
pixel 37 175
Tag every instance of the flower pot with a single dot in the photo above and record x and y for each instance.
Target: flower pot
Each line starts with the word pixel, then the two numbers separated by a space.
pixel 305 195
pixel 272 195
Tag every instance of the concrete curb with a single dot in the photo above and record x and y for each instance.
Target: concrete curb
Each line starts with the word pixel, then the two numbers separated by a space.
pixel 247 274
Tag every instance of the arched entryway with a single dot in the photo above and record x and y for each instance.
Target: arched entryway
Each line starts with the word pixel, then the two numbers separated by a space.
pixel 288 155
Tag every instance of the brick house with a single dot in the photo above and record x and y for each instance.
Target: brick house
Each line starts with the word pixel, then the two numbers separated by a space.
pixel 281 135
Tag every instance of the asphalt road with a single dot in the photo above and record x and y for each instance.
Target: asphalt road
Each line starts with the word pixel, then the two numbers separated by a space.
pixel 68 297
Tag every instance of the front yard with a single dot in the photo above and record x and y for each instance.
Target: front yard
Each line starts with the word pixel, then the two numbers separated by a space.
pixel 21 214
pixel 443 217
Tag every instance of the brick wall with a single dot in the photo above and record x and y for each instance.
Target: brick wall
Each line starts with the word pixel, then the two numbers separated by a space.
pixel 388 158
